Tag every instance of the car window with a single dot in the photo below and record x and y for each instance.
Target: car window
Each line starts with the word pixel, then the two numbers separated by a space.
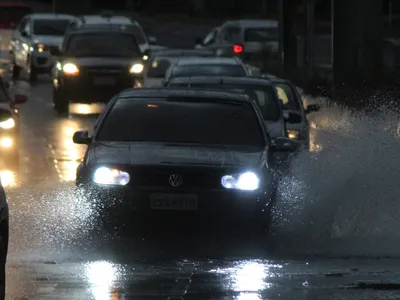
pixel 50 27
pixel 264 96
pixel 159 65
pixel 10 16
pixel 261 34
pixel 210 38
pixel 134 29
pixel 232 34
pixel 209 70
pixel 287 96
pixel 183 121
pixel 102 44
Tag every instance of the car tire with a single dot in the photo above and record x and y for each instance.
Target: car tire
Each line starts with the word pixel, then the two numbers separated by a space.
pixel 15 72
pixel 3 258
pixel 61 104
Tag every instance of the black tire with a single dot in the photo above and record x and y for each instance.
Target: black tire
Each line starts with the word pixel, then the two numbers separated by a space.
pixel 3 258
pixel 15 72
pixel 61 104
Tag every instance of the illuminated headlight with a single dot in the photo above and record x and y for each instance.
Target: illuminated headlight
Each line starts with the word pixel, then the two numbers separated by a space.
pixel 136 69
pixel 293 134
pixel 40 47
pixel 108 176
pixel 7 124
pixel 70 69
pixel 6 142
pixel 248 181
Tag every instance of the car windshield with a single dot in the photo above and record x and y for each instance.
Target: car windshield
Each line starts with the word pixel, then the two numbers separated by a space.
pixel 134 29
pixel 264 96
pixel 159 65
pixel 287 96
pixel 103 45
pixel 50 27
pixel 182 121
pixel 10 16
pixel 261 34
pixel 209 70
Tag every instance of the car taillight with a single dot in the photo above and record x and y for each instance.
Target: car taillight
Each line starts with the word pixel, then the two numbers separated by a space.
pixel 237 48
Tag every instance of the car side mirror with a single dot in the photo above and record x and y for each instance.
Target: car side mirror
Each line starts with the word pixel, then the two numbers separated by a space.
pixel 284 144
pixel 198 41
pixel 81 137
pixel 152 40
pixel 292 118
pixel 312 108
pixel 19 99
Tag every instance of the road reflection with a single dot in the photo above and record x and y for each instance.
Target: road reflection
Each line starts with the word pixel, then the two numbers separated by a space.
pixel 101 276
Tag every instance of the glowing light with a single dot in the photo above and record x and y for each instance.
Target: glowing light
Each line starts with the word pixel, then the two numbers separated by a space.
pixel 70 69
pixel 101 276
pixel 137 68
pixel 7 124
pixel 7 178
pixel 6 142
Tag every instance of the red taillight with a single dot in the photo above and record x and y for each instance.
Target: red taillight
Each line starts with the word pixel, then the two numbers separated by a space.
pixel 237 48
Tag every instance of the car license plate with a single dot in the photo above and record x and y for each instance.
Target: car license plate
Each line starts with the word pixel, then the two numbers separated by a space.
pixel 104 81
pixel 173 202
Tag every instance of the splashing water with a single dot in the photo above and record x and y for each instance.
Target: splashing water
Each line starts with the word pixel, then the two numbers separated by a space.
pixel 344 199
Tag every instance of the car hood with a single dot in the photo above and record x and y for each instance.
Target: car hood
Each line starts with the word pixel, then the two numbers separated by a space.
pixel 48 40
pixel 128 153
pixel 104 61
pixel 144 47
pixel 153 82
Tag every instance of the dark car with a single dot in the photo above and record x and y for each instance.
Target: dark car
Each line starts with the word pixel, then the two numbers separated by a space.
pixel 9 124
pixel 172 157
pixel 161 60
pixel 207 66
pixel 292 103
pixel 4 229
pixel 260 90
pixel 95 65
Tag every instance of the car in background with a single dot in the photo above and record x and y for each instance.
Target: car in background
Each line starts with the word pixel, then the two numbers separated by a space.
pixel 167 157
pixel 261 91
pixel 9 125
pixel 36 41
pixel 11 13
pixel 161 60
pixel 4 236
pixel 206 66
pixel 254 41
pixel 292 103
pixel 94 67
pixel 146 43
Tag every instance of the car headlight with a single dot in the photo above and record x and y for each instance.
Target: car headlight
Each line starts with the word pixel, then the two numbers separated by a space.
pixel 39 47
pixel 70 69
pixel 247 181
pixel 7 124
pixel 108 176
pixel 292 134
pixel 136 69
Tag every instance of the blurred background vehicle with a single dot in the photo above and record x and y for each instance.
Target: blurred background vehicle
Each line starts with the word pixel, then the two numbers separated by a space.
pixel 36 41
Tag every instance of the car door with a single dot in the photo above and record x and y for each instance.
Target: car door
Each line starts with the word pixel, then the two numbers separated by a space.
pixel 24 43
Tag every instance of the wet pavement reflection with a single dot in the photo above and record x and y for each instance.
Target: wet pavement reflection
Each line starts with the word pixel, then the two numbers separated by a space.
pixel 56 254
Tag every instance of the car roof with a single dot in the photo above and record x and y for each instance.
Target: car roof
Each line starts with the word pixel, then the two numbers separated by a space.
pixel 253 23
pixel 99 19
pixel 183 93
pixel 183 52
pixel 51 16
pixel 222 80
pixel 207 61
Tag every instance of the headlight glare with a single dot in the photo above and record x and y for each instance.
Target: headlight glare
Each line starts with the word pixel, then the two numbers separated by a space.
pixel 136 69
pixel 293 134
pixel 70 69
pixel 7 124
pixel 247 181
pixel 108 176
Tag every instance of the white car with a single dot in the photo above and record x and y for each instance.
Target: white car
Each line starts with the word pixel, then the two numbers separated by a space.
pixel 146 43
pixel 35 41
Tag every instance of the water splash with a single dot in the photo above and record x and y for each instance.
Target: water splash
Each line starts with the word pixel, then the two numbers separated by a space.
pixel 344 199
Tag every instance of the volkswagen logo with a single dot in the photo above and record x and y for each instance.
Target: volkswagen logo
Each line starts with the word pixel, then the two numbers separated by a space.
pixel 175 180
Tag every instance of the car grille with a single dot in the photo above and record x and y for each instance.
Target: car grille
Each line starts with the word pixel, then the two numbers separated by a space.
pixel 41 60
pixel 54 50
pixel 202 178
pixel 105 70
